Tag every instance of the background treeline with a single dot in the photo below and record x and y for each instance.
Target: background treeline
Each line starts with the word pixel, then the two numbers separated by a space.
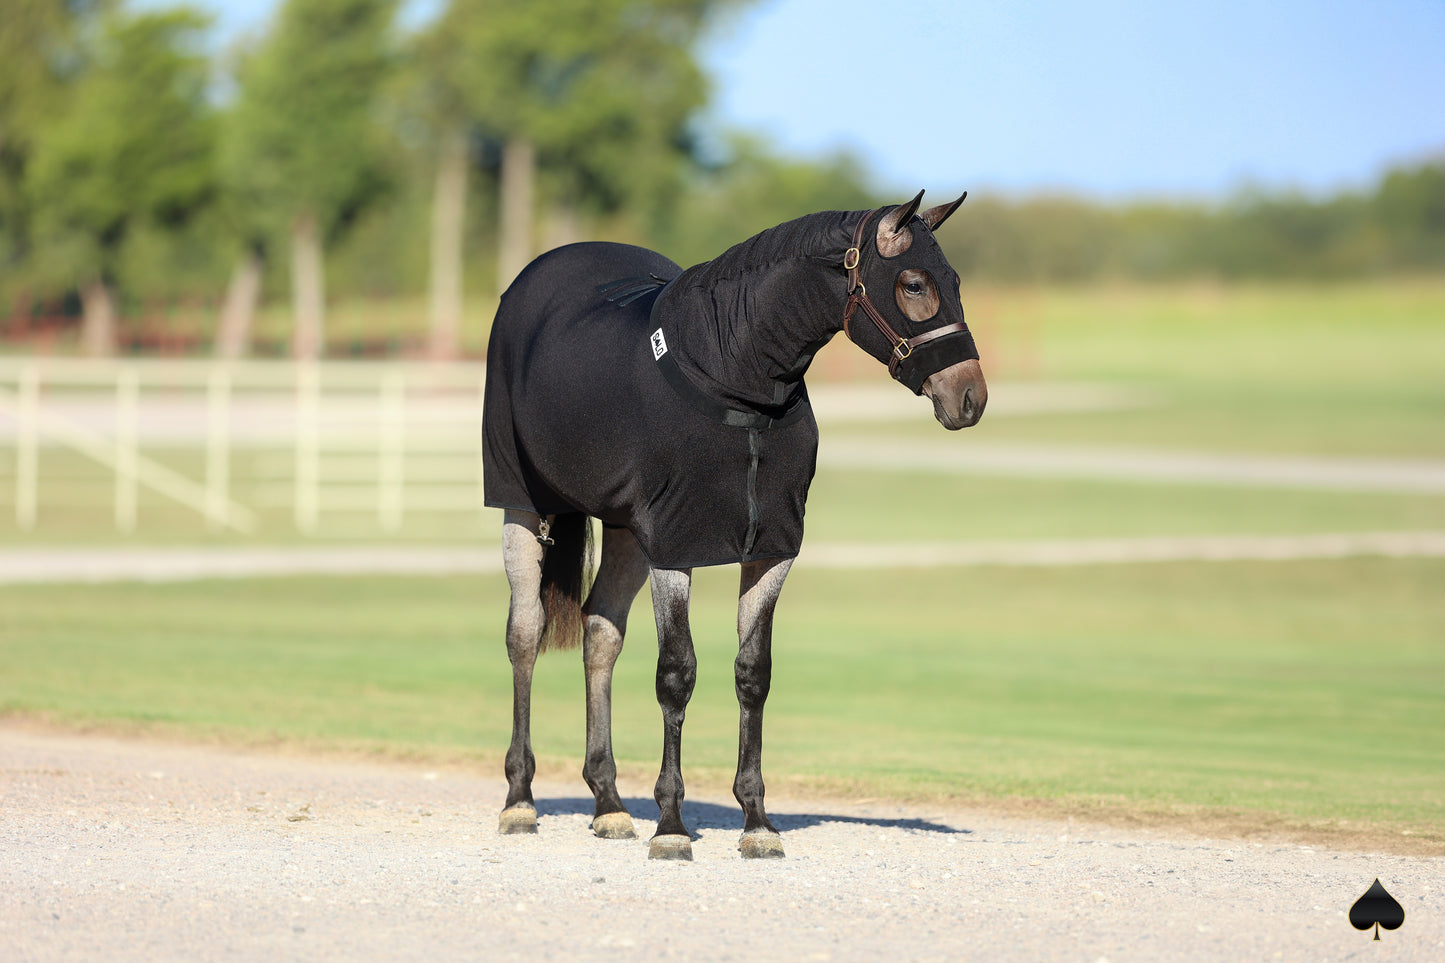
pixel 338 156
pixel 1396 227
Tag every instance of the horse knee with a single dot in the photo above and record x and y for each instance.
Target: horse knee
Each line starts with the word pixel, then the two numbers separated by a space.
pixel 675 680
pixel 752 692
pixel 752 678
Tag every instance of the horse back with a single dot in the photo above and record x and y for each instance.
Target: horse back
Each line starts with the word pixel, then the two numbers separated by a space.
pixel 561 286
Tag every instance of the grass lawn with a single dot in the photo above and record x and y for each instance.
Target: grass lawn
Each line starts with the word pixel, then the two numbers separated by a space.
pixel 1306 694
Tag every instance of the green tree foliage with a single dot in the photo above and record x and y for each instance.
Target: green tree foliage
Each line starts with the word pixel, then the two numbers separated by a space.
pixel 596 95
pixel 40 55
pixel 603 88
pixel 1410 208
pixel 133 146
pixel 579 116
pixel 751 190
pixel 303 149
pixel 1398 227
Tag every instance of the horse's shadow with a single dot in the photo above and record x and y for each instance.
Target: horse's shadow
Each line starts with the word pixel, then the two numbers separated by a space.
pixel 723 818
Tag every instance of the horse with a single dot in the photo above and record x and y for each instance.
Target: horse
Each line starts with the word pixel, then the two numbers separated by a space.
pixel 670 405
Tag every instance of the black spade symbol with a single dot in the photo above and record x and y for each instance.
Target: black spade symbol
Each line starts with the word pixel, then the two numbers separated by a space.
pixel 1376 908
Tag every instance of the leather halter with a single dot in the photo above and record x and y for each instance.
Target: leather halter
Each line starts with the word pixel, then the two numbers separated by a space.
pixel 858 295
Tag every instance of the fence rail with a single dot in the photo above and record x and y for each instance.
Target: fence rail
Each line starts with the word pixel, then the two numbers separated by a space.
pixel 383 439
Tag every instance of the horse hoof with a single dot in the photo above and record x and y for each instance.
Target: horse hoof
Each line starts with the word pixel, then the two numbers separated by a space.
pixel 761 845
pixel 517 819
pixel 670 847
pixel 613 826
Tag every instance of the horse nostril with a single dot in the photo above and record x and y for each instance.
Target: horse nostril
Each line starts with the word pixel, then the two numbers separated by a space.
pixel 967 402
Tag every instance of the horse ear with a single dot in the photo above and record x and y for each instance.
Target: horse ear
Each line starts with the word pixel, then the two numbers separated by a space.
pixel 935 216
pixel 894 237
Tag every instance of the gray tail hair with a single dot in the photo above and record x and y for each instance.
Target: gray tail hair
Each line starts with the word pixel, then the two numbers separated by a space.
pixel 565 575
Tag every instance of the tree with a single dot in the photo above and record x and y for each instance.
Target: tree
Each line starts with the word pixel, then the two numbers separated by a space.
pixel 751 190
pixel 438 101
pixel 134 143
pixel 1410 206
pixel 41 55
pixel 302 149
pixel 588 98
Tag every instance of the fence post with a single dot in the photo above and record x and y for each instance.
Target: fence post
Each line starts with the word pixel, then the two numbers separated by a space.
pixel 27 448
pixel 391 474
pixel 218 446
pixel 308 467
pixel 127 430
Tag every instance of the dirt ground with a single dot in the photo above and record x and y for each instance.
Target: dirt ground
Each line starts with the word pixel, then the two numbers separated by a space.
pixel 117 849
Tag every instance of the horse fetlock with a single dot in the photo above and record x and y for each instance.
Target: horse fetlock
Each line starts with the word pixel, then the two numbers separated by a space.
pixel 670 847
pixel 517 820
pixel 520 766
pixel 761 845
pixel 613 826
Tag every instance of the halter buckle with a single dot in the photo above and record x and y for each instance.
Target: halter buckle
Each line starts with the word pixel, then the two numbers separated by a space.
pixel 851 258
pixel 898 349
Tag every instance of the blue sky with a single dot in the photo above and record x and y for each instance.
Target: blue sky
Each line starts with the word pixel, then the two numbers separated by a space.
pixel 1110 99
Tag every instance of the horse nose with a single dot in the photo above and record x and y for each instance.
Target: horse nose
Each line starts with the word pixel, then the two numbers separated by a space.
pixel 974 401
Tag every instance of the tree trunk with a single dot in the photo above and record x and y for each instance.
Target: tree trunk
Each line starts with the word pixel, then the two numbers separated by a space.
pixel 514 248
pixel 307 288
pixel 564 226
pixel 238 314
pixel 447 222
pixel 97 329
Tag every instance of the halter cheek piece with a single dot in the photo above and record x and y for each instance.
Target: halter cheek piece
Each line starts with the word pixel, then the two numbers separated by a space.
pixel 858 295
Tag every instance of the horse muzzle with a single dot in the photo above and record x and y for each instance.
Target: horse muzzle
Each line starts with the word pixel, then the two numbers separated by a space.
pixel 958 393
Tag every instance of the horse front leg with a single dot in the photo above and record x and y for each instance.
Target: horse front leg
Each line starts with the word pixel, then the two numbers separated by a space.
pixel 760 585
pixel 619 579
pixel 676 674
pixel 522 556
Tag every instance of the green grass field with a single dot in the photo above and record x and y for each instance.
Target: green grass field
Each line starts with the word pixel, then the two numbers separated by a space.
pixel 1308 696
pixel 1307 692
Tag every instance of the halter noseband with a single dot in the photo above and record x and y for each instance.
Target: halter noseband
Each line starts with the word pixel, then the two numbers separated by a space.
pixel 858 295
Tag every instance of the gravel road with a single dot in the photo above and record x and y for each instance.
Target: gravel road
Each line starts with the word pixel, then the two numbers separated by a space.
pixel 127 850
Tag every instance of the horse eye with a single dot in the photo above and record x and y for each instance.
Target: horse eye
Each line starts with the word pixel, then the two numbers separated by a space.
pixel 914 287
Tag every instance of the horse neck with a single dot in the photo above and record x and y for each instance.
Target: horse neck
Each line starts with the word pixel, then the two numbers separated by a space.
pixel 800 308
pixel 766 305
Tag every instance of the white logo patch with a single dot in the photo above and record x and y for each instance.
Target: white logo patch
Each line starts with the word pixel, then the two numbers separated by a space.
pixel 659 345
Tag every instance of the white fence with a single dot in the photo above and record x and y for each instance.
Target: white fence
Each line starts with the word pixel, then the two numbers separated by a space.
pixel 384 440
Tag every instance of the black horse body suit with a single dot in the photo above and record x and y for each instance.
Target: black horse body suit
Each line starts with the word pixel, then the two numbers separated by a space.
pixel 581 417
pixel 670 405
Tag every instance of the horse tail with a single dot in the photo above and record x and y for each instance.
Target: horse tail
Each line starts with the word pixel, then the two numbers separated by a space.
pixel 564 577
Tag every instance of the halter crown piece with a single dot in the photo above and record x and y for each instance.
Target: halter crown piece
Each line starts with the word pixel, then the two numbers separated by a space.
pixel 858 296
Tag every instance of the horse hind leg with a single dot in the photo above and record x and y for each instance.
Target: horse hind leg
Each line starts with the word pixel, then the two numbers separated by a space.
pixel 620 575
pixel 522 556
pixel 676 675
pixel 760 585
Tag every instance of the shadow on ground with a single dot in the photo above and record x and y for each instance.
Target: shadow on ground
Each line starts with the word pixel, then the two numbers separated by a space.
pixel 712 816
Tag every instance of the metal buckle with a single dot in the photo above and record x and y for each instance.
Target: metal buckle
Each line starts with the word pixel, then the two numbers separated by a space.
pixel 898 349
pixel 855 254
